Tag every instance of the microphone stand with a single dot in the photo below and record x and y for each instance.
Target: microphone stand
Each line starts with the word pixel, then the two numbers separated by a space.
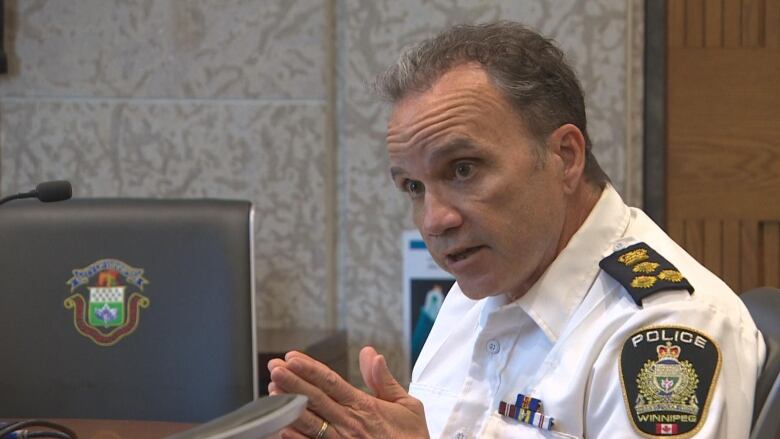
pixel 17 197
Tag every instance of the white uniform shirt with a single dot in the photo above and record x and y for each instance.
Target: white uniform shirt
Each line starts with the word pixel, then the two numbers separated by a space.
pixel 561 342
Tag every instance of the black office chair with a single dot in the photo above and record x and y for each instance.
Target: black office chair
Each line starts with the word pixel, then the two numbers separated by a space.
pixel 764 305
pixel 126 309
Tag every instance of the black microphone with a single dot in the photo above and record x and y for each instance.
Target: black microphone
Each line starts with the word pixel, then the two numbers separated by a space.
pixel 48 191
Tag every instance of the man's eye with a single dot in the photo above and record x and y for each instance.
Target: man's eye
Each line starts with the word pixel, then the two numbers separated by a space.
pixel 413 187
pixel 464 170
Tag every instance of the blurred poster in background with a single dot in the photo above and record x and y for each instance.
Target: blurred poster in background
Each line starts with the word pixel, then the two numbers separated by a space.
pixel 425 286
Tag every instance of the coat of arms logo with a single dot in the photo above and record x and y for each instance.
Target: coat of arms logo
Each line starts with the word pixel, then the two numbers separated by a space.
pixel 105 306
pixel 667 384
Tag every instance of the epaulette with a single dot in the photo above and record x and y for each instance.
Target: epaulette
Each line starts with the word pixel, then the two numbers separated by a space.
pixel 642 271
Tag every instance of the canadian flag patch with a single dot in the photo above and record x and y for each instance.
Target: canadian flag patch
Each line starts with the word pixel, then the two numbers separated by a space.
pixel 665 428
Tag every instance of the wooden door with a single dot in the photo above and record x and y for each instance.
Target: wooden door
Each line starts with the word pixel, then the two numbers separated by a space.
pixel 723 128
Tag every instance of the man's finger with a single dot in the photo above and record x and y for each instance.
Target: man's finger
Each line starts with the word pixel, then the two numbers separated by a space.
pixel 365 361
pixel 308 424
pixel 325 379
pixel 274 363
pixel 377 376
pixel 291 433
pixel 388 388
pixel 319 402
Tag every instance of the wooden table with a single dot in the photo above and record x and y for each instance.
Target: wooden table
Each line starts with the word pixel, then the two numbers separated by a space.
pixel 112 429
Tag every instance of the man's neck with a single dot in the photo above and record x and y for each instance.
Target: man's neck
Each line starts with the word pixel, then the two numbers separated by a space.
pixel 583 200
pixel 581 203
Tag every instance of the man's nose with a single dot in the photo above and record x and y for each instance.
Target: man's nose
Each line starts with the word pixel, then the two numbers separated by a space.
pixel 439 215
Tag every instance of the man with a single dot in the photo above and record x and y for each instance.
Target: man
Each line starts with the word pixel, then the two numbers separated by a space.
pixel 573 315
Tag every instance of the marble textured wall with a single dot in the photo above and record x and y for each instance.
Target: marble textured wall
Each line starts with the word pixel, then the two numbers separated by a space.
pixel 266 100
pixel 149 98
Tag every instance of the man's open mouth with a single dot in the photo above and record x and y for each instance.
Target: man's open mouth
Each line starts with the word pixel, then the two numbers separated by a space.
pixel 463 254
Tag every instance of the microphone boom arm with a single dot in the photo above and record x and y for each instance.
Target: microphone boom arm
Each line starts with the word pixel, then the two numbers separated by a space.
pixel 17 197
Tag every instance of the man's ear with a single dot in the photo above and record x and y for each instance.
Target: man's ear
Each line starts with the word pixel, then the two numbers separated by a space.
pixel 568 143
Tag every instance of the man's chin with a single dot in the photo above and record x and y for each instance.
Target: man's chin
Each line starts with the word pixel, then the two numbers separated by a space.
pixel 476 290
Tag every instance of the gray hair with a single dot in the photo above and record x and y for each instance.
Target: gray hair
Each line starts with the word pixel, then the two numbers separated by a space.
pixel 527 68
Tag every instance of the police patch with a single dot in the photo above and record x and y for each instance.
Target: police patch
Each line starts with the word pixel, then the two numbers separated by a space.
pixel 668 374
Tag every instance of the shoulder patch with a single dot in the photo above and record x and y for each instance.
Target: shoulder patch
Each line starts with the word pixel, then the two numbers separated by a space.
pixel 643 272
pixel 668 375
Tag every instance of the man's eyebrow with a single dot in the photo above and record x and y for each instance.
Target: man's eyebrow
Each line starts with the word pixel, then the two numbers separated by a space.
pixel 395 171
pixel 454 146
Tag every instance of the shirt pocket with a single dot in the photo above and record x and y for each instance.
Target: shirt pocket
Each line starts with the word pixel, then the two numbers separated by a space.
pixel 499 426
pixel 438 404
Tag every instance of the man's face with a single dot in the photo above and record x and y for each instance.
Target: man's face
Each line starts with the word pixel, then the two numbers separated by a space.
pixel 489 211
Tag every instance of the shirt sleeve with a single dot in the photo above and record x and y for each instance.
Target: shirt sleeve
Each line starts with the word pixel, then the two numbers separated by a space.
pixel 676 368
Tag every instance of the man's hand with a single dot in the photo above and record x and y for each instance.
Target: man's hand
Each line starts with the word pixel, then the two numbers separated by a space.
pixel 391 413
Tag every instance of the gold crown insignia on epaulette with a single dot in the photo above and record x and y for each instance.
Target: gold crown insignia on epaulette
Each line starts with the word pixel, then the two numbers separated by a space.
pixel 642 271
pixel 634 256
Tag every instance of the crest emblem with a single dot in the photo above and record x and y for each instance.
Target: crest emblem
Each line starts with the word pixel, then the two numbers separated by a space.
pixel 667 384
pixel 668 375
pixel 106 300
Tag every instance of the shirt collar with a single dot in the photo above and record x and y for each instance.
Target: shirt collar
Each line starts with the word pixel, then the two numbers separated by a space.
pixel 552 300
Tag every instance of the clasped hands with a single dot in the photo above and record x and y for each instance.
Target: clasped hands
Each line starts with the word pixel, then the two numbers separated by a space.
pixel 336 409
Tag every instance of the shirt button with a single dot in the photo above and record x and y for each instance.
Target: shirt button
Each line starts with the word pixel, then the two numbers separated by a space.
pixel 460 435
pixel 493 347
